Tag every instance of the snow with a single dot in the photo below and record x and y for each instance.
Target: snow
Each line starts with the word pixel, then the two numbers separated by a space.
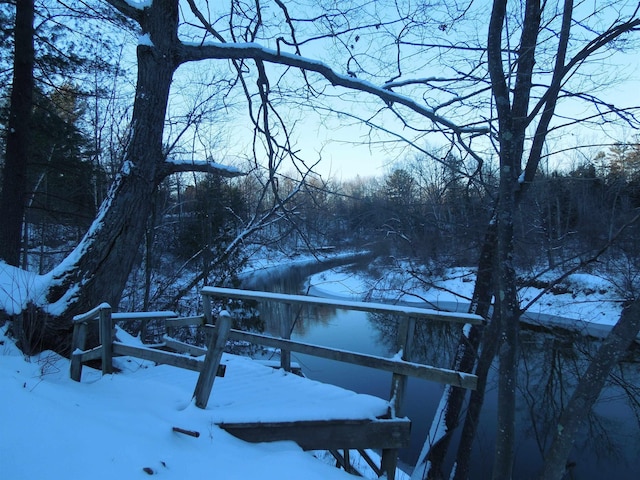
pixel 253 392
pixel 143 315
pixel 145 39
pixel 223 169
pixel 336 302
pixel 338 283
pixel 437 431
pixel 591 303
pixel 128 166
pixel 521 177
pixel 19 287
pixel 455 286
pixel 121 426
pixel 139 4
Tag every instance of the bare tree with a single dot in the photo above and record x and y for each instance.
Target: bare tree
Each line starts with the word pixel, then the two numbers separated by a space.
pixel 98 268
pixel 522 105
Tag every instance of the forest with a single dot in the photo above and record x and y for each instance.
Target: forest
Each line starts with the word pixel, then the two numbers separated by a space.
pixel 150 148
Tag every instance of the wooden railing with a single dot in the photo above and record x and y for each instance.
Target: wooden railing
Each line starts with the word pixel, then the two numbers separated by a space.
pixel 109 347
pixel 401 365
pixel 220 331
pixel 389 434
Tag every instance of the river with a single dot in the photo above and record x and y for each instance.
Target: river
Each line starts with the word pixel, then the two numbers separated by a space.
pixel 609 446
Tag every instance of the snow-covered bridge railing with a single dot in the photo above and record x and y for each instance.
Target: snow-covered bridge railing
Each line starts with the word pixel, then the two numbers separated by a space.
pixel 401 365
pixel 109 346
pixel 388 433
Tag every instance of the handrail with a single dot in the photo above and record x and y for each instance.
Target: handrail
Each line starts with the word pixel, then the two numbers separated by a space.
pixel 108 346
pixel 93 314
pixel 404 310
pixel 401 365
pixel 124 316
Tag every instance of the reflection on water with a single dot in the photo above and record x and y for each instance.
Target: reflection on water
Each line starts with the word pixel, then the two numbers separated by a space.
pixel 549 368
pixel 609 446
pixel 375 335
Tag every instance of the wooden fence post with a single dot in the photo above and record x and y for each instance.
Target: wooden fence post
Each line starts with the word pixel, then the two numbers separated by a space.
pixel 404 344
pixel 78 344
pixel 106 339
pixel 286 321
pixel 206 307
pixel 215 347
pixel 389 463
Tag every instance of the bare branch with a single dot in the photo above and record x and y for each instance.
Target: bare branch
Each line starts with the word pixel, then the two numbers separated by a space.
pixel 550 98
pixel 203 166
pixel 583 263
pixel 257 52
pixel 207 25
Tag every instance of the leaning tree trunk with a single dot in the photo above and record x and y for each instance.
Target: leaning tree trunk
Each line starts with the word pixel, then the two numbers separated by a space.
pixel 489 344
pixel 98 268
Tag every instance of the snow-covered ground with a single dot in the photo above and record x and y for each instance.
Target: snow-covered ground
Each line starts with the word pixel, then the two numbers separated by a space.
pixel 19 287
pixel 121 426
pixel 589 303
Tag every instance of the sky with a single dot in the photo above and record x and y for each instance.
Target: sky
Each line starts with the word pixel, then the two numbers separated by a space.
pixel 336 142
pixel 343 159
pixel 316 136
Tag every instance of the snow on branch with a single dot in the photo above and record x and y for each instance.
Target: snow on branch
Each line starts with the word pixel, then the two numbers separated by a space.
pixel 204 166
pixel 130 8
pixel 237 51
pixel 138 4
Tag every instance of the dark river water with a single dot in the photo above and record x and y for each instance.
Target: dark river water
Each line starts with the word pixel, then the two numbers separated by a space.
pixel 608 448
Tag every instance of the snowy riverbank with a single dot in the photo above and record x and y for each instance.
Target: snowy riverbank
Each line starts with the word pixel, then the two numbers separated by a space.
pixel 586 303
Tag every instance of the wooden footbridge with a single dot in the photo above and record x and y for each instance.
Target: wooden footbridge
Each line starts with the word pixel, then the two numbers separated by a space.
pixel 387 430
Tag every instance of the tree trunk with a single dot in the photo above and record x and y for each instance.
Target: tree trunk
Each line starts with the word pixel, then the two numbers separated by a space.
pixel 14 179
pixel 512 122
pixel 98 268
pixel 489 344
pixel 586 393
pixel 507 310
pixel 465 359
